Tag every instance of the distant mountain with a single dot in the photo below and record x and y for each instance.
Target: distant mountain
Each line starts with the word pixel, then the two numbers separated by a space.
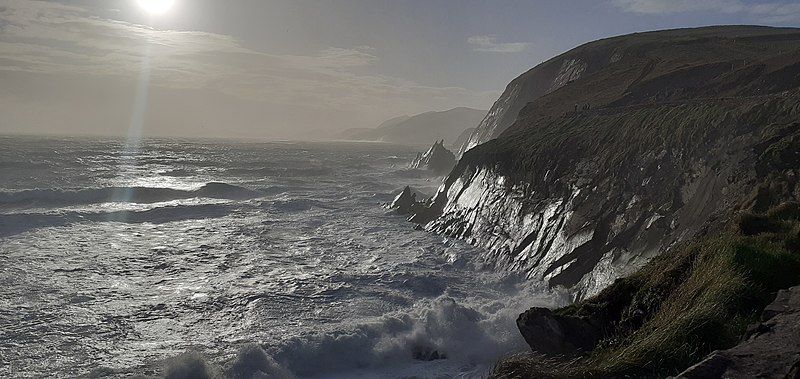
pixel 422 129
pixel 392 122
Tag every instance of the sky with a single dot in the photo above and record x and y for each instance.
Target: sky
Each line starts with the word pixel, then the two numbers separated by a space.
pixel 298 69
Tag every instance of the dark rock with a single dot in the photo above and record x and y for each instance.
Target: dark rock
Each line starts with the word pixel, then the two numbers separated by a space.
pixel 437 159
pixel 405 201
pixel 553 334
pixel 420 212
pixel 425 353
pixel 785 301
pixel 771 351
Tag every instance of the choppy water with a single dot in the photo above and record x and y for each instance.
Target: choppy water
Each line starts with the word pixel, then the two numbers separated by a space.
pixel 114 260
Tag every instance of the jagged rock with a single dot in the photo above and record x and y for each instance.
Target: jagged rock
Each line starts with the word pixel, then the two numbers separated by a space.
pixel 405 201
pixel 553 334
pixel 772 350
pixel 419 211
pixel 437 159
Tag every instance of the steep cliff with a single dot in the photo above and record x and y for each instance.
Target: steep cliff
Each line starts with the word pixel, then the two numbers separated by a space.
pixel 660 64
pixel 620 149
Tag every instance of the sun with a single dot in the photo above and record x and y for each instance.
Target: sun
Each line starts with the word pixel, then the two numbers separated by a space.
pixel 156 6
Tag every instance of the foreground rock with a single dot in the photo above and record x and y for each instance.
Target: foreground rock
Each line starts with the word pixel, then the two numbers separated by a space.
pixel 771 350
pixel 681 307
pixel 437 159
pixel 553 334
pixel 419 211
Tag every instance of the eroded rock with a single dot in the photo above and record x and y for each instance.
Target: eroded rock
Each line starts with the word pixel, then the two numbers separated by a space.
pixel 437 159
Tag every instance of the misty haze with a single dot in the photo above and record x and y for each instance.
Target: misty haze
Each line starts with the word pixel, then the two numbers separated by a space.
pixel 399 189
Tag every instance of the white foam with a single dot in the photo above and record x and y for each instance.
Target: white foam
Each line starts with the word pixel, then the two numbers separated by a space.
pixel 441 336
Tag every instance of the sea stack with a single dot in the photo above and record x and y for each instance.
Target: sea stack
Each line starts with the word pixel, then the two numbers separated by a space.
pixel 437 159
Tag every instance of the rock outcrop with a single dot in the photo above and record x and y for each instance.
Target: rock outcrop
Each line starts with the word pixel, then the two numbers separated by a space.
pixel 655 176
pixel 419 211
pixel 771 349
pixel 554 334
pixel 437 159
pixel 405 202
pixel 620 149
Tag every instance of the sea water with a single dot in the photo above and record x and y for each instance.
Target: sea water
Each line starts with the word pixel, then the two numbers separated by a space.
pixel 120 259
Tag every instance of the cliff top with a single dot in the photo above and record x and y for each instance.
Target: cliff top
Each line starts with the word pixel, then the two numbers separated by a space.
pixel 702 72
pixel 660 66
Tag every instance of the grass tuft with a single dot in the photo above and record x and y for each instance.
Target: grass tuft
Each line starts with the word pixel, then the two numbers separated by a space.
pixel 679 308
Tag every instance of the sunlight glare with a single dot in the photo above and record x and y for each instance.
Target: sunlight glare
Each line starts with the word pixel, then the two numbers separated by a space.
pixel 156 6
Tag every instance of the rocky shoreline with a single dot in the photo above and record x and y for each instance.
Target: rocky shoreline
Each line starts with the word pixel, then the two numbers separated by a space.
pixel 615 159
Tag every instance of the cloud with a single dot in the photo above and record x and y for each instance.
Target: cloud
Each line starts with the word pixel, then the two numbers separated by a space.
pixel 770 12
pixel 51 39
pixel 489 44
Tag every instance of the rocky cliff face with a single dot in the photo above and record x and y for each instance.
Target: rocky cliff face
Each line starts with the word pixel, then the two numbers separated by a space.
pixel 616 151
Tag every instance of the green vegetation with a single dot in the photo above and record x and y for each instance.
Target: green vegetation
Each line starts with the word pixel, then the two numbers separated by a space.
pixel 682 306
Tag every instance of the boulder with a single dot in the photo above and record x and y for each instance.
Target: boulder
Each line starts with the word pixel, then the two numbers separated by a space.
pixel 549 333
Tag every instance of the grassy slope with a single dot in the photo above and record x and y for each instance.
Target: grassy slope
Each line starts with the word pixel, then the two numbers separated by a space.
pixel 680 307
pixel 704 73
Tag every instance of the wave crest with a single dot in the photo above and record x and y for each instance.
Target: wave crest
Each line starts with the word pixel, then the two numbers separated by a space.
pixel 436 338
pixel 61 197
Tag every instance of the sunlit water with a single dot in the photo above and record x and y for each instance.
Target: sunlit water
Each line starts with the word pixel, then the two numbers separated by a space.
pixel 114 260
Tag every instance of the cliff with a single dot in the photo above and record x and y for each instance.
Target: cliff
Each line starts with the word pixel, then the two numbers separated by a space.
pixel 421 129
pixel 653 66
pixel 654 176
pixel 672 131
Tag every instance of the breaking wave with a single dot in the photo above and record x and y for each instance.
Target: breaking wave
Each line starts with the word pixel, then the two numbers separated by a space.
pixel 16 223
pixel 287 172
pixel 61 197
pixel 433 339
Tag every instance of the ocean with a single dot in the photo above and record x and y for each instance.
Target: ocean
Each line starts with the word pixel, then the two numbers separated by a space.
pixel 121 259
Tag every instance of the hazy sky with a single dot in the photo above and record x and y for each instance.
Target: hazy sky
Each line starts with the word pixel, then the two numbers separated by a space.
pixel 294 69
